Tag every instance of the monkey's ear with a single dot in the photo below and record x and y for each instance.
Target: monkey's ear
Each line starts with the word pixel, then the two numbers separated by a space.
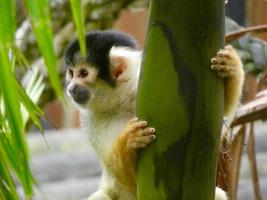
pixel 119 63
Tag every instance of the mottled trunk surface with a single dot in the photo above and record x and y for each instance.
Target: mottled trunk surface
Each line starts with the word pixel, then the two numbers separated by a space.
pixel 182 98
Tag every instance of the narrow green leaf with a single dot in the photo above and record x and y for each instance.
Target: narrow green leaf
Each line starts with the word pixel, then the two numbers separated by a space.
pixel 7 185
pixel 2 188
pixel 19 56
pixel 41 24
pixel 29 99
pixel 6 142
pixel 7 21
pixel 13 148
pixel 14 118
pixel 77 12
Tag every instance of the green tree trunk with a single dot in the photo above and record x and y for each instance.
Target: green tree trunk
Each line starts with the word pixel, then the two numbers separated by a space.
pixel 182 98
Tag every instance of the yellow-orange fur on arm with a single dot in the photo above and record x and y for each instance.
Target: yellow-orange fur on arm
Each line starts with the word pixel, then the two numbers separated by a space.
pixel 233 84
pixel 121 160
pixel 228 65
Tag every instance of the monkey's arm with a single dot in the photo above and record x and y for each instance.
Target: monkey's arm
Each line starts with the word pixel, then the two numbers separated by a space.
pixel 228 65
pixel 121 161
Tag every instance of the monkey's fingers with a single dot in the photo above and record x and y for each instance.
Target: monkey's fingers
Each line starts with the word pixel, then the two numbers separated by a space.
pixel 145 139
pixel 224 62
pixel 223 70
pixel 221 61
pixel 142 141
pixel 133 120
pixel 228 52
pixel 147 131
pixel 137 125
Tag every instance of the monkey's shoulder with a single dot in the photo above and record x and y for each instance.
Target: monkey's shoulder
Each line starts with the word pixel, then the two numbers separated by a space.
pixel 103 132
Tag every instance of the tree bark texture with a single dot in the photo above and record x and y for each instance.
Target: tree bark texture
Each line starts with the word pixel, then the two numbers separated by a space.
pixel 182 98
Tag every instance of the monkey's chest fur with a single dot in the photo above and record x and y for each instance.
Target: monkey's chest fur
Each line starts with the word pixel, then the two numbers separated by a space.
pixel 104 131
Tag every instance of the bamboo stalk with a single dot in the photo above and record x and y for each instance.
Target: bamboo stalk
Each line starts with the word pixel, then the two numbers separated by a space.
pixel 174 96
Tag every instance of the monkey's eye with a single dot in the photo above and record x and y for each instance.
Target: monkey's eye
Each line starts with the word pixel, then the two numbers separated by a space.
pixel 83 73
pixel 70 72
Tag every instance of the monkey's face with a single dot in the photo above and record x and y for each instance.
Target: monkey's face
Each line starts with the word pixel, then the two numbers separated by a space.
pixel 96 80
pixel 79 80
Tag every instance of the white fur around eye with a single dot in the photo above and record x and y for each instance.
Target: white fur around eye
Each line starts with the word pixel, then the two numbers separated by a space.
pixel 84 80
pixel 68 75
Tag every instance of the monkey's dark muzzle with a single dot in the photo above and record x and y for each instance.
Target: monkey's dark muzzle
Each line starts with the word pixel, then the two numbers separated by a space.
pixel 79 93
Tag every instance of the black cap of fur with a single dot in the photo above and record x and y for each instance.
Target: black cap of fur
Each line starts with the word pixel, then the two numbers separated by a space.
pixel 98 45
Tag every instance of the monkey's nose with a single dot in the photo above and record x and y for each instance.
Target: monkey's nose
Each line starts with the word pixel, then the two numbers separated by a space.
pixel 79 93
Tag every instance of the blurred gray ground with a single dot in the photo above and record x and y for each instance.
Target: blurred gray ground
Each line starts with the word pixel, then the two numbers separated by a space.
pixel 68 169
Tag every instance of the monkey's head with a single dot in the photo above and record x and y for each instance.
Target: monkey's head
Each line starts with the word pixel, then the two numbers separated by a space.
pixel 103 77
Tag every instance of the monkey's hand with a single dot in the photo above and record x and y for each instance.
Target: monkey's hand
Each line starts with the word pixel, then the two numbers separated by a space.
pixel 228 65
pixel 122 158
pixel 137 134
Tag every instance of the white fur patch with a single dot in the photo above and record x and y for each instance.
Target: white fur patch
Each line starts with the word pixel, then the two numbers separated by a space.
pixel 220 194
pixel 132 59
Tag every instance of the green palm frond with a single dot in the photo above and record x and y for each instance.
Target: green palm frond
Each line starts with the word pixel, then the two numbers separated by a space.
pixel 41 24
pixel 29 97
pixel 12 156
pixel 7 185
pixel 77 13
pixel 18 99
pixel 12 140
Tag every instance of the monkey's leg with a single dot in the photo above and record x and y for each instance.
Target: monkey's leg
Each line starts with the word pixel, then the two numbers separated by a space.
pixel 108 188
pixel 228 65
pixel 122 159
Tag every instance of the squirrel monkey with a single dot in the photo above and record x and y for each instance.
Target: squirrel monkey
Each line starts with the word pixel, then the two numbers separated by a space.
pixel 104 86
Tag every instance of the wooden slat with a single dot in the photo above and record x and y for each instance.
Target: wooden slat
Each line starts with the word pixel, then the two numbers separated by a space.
pixel 229 161
pixel 253 163
pixel 230 37
pixel 252 111
pixel 233 165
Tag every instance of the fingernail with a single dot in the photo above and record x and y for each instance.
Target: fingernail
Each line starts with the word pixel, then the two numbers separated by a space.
pixel 152 130
pixel 153 137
